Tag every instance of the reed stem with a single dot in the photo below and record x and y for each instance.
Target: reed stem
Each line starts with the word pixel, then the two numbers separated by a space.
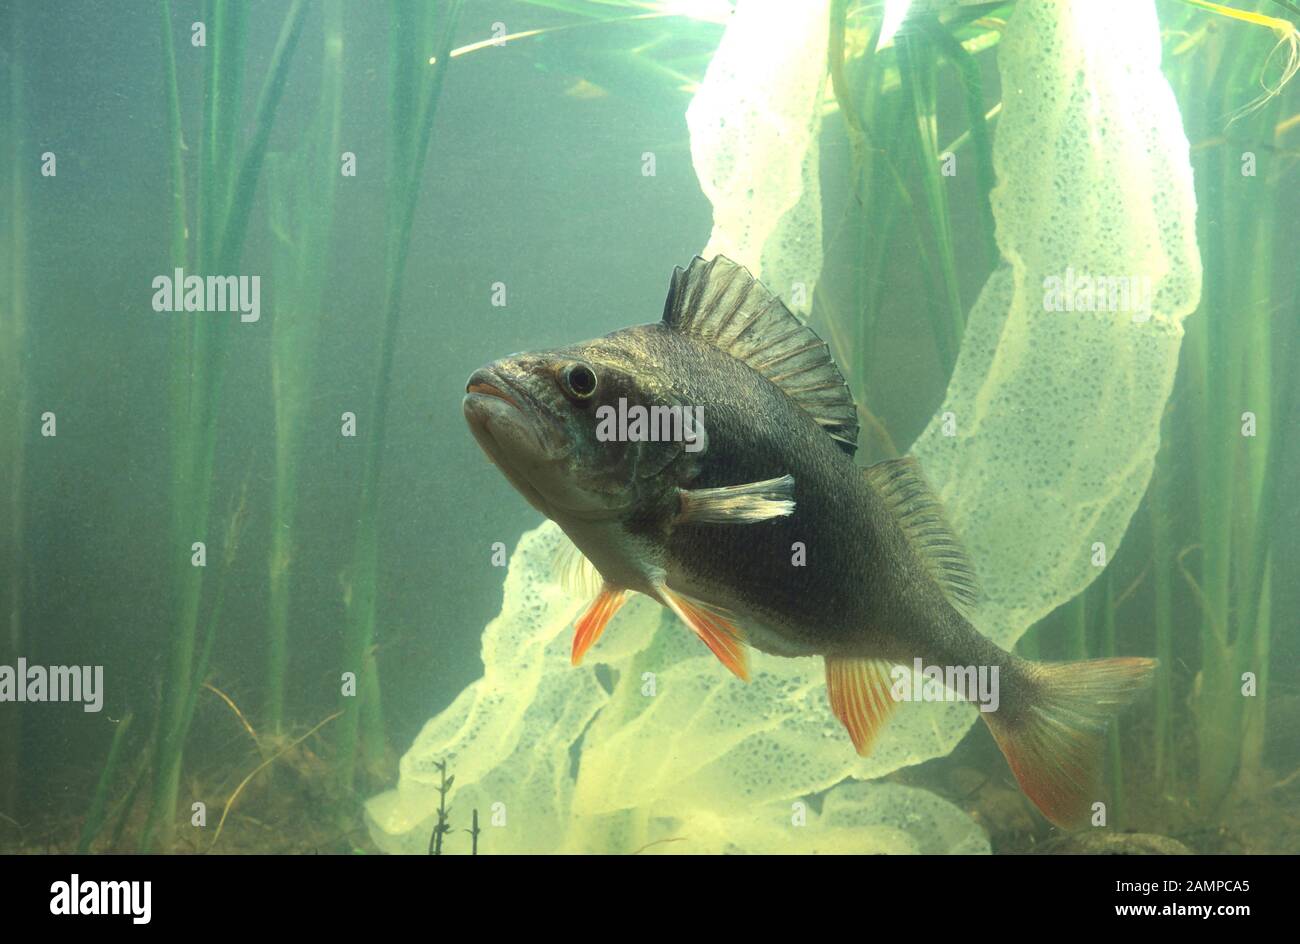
pixel 1231 354
pixel 305 190
pixel 1109 649
pixel 918 71
pixel 95 817
pixel 413 101
pixel 15 403
pixel 1077 627
pixel 1162 562
pixel 198 352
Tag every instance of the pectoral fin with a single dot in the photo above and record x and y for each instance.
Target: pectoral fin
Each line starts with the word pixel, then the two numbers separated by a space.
pixel 860 697
pixel 593 622
pixel 738 504
pixel 723 637
pixel 576 575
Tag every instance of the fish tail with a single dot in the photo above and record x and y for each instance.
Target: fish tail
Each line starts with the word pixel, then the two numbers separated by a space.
pixel 1054 734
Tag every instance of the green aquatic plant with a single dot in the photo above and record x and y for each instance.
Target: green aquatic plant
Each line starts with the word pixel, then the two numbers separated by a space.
pixel 301 190
pixel 14 395
pixel 95 817
pixel 1288 44
pixel 918 66
pixel 888 100
pixel 248 778
pixel 1223 563
pixel 442 825
pixel 225 181
pixel 415 87
pixel 1160 507
pixel 1235 403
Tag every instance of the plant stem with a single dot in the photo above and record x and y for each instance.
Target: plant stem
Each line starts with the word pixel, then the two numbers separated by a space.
pixel 412 107
pixel 1115 767
pixel 1077 615
pixel 166 772
pixel 197 356
pixel 250 169
pixel 973 85
pixel 95 818
pixel 1162 550
pixel 919 72
pixel 300 269
pixel 14 395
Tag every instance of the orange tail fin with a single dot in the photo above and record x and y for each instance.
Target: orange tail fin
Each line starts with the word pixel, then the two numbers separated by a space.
pixel 1054 741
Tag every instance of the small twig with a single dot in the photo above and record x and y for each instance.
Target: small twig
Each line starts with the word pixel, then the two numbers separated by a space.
pixel 542 31
pixel 1132 588
pixel 1219 630
pixel 1286 780
pixel 256 770
pixel 235 708
pixel 659 842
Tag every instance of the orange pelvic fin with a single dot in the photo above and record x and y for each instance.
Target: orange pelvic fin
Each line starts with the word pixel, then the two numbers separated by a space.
pixel 718 633
pixel 860 697
pixel 592 623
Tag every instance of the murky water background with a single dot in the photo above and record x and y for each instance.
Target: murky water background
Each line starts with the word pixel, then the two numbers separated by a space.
pixel 535 181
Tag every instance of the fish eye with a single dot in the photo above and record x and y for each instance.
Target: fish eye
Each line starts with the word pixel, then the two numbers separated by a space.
pixel 579 381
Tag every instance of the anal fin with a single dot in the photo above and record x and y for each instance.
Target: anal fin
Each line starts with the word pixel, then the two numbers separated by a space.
pixel 592 623
pixel 860 697
pixel 723 637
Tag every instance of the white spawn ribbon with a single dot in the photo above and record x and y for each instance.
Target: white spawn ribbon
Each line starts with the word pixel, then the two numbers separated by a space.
pixel 1056 418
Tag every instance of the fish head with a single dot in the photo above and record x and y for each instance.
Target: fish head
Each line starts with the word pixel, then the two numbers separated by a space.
pixel 543 418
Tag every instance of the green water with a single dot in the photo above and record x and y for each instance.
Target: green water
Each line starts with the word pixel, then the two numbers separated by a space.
pixel 127 433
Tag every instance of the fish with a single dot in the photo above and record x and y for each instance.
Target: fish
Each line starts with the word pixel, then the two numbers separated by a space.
pixel 755 525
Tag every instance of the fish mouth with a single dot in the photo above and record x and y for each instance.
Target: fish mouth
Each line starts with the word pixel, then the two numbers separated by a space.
pixel 504 421
pixel 484 383
pixel 492 398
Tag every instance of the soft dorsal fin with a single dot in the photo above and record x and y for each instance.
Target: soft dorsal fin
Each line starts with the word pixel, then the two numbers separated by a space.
pixel 721 303
pixel 903 486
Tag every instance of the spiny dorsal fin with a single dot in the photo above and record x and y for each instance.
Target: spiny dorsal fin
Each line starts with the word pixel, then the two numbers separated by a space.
pixel 721 303
pixel 903 486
